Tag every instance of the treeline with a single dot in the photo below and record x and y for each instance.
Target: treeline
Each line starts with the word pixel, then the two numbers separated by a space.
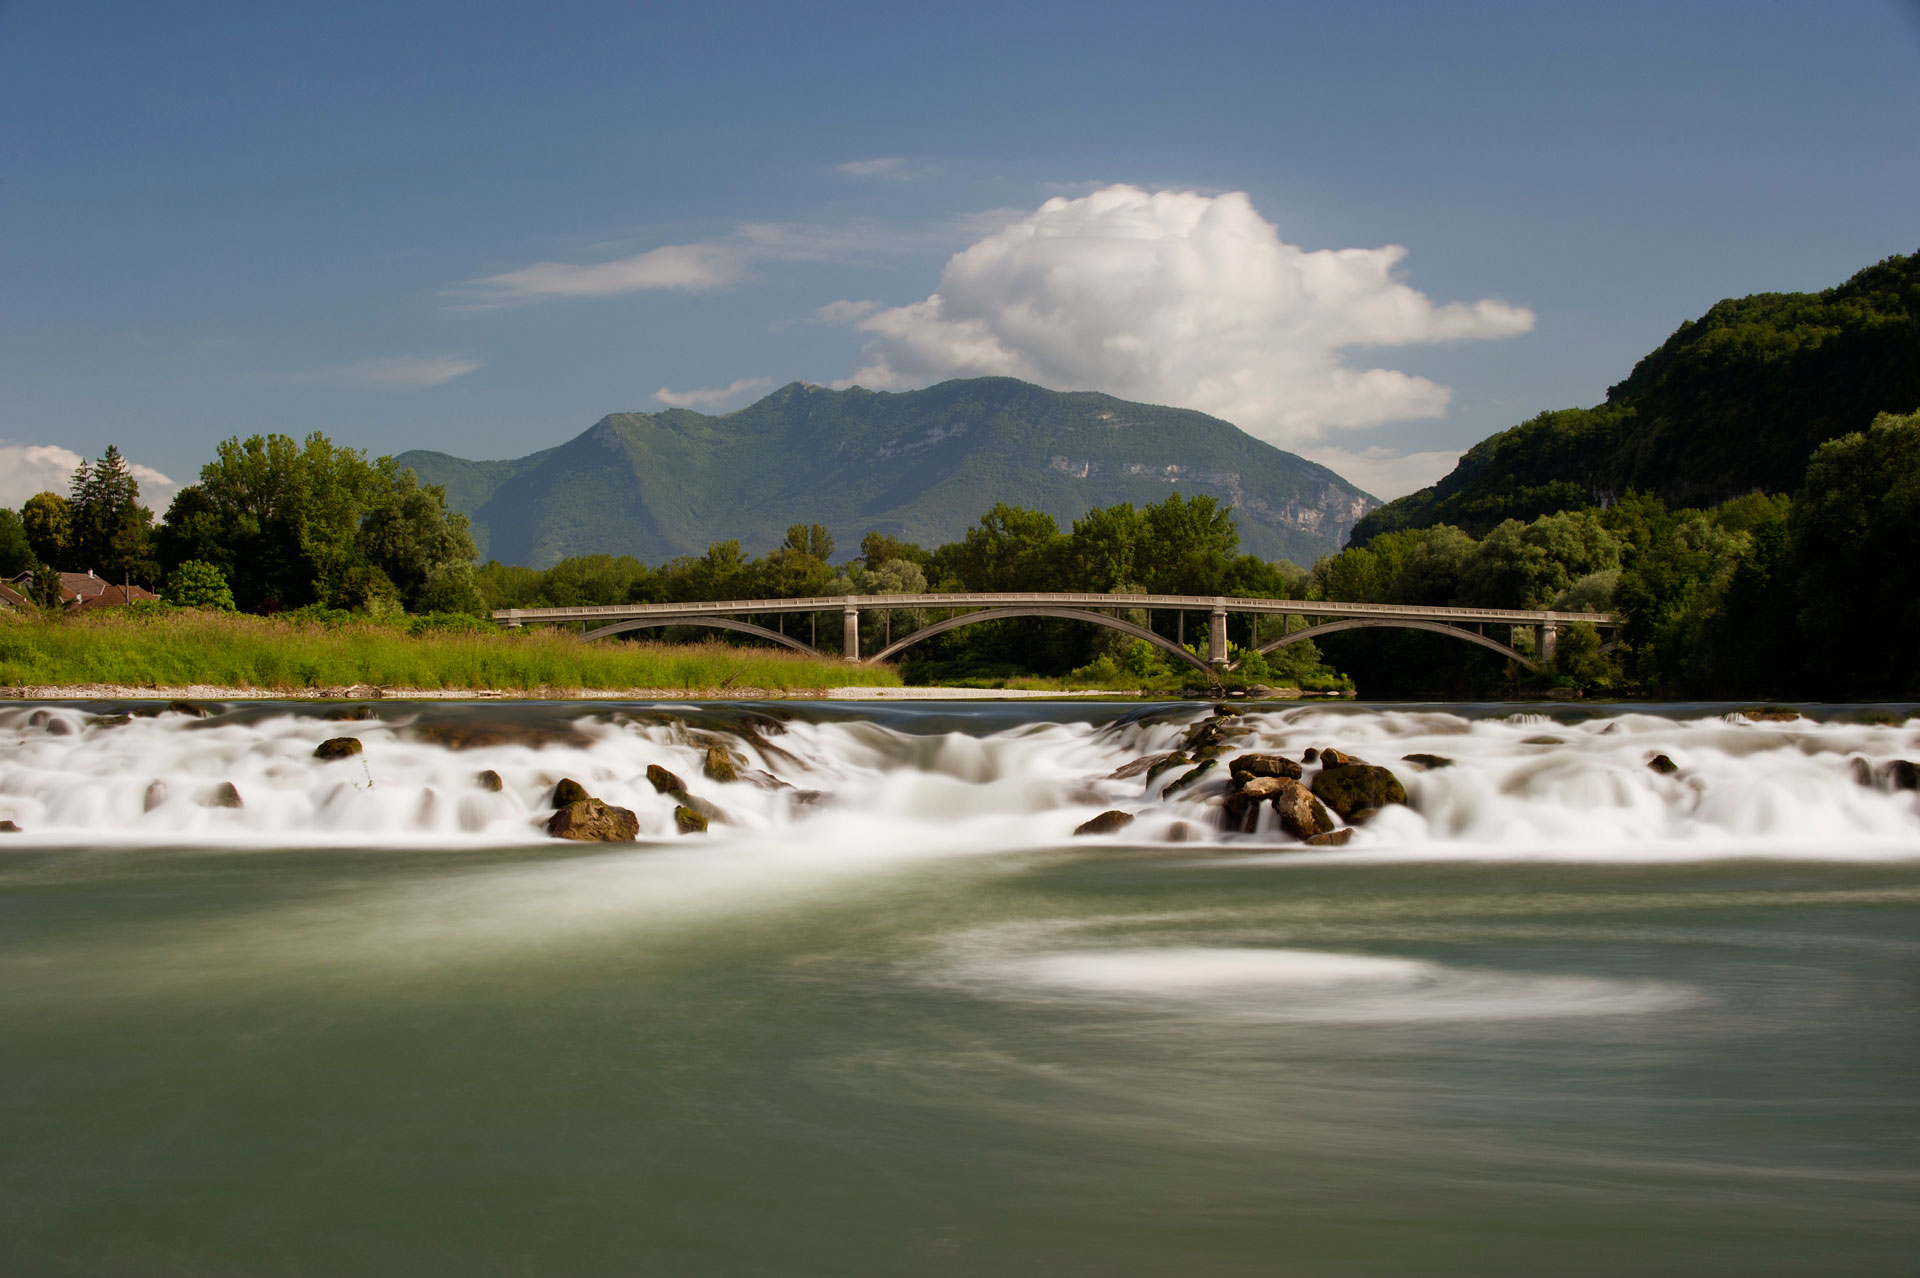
pixel 1176 546
pixel 1734 402
pixel 272 525
pixel 1816 594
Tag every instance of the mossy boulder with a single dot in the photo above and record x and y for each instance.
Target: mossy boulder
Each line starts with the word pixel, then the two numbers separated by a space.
pixel 1188 778
pixel 688 821
pixel 1357 790
pixel 663 781
pixel 337 748
pixel 719 765
pixel 1263 765
pixel 8 827
pixel 1331 758
pixel 591 821
pixel 1301 815
pixel 567 793
pixel 490 781
pixel 1106 823
pixel 1168 762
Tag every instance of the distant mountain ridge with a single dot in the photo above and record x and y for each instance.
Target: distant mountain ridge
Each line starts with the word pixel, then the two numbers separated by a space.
pixel 922 465
pixel 1734 401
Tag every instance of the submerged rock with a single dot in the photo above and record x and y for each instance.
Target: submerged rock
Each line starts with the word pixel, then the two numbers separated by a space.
pixel 1138 766
pixel 337 748
pixel 663 781
pixel 1663 765
pixel 1211 736
pixel 1186 779
pixel 1177 759
pixel 591 821
pixel 156 795
pixel 172 707
pixel 1263 765
pixel 568 792
pixel 224 795
pixel 1901 774
pixel 1357 790
pixel 348 714
pixel 688 821
pixel 1331 839
pixel 480 736
pixel 1426 762
pixel 490 781
pixel 1181 832
pixel 1301 815
pixel 111 721
pixel 707 810
pixel 1768 714
pixel 1106 823
pixel 719 765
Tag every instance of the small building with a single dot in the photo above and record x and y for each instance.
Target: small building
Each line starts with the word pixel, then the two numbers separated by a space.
pixel 12 600
pixel 80 590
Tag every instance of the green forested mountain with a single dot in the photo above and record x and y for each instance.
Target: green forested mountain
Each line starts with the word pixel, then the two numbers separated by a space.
pixel 919 465
pixel 1734 401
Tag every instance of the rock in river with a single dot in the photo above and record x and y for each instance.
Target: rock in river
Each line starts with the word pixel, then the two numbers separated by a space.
pixel 337 748
pixel 591 821
pixel 1427 762
pixel 1263 765
pixel 1301 815
pixel 1663 765
pixel 490 781
pixel 224 795
pixel 1106 823
pixel 568 793
pixel 687 821
pixel 663 781
pixel 1357 790
pixel 8 827
pixel 719 765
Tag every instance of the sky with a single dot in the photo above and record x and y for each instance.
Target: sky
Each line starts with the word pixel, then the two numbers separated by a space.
pixel 1370 233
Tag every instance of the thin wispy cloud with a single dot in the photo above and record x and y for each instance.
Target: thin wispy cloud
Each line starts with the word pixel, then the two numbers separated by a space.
pixel 699 267
pixel 402 372
pixel 714 396
pixel 845 312
pixel 891 168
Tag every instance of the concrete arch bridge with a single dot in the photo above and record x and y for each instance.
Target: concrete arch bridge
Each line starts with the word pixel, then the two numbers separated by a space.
pixel 933 614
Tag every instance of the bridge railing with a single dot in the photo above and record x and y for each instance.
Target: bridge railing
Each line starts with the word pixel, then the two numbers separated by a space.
pixel 1087 599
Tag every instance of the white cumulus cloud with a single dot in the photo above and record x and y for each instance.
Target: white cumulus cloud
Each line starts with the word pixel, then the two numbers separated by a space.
pixel 1384 472
pixel 845 311
pixel 711 396
pixel 1181 298
pixel 26 469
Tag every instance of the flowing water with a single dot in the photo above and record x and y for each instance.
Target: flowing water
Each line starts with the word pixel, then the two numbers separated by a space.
pixel 1561 1014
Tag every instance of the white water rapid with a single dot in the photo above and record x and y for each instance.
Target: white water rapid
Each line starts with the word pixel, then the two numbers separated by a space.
pixel 962 778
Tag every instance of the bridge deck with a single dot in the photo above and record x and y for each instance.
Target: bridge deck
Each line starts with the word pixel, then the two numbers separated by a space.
pixel 1012 599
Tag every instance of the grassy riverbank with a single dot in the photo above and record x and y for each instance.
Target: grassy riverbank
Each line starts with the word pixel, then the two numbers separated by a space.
pixel 180 647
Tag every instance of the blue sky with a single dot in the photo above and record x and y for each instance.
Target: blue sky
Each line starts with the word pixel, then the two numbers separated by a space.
pixel 480 227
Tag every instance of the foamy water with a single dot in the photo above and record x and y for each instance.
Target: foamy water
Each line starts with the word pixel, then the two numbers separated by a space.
pixel 945 780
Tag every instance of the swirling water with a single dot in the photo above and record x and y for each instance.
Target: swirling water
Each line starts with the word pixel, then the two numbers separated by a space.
pixel 1561 1014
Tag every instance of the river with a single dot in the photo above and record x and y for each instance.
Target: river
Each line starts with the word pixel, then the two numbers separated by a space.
pixel 1562 1014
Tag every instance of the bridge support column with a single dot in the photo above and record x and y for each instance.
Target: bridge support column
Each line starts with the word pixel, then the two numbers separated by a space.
pixel 1546 640
pixel 1217 637
pixel 850 634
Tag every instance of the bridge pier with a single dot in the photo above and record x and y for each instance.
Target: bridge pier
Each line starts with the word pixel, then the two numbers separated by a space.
pixel 1217 636
pixel 1546 641
pixel 850 634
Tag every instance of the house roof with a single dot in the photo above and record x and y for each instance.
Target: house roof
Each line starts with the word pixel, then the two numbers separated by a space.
pixel 111 596
pixel 12 599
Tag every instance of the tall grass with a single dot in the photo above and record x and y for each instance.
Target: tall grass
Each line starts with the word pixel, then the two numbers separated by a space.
pixel 173 648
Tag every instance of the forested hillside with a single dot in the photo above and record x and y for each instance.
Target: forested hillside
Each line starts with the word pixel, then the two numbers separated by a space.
pixel 1734 402
pixel 919 465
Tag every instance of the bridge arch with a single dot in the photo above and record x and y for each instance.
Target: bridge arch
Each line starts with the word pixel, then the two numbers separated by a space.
pixel 1030 610
pixel 1409 623
pixel 701 619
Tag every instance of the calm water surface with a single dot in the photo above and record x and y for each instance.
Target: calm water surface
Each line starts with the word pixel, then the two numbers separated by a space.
pixel 897 1037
